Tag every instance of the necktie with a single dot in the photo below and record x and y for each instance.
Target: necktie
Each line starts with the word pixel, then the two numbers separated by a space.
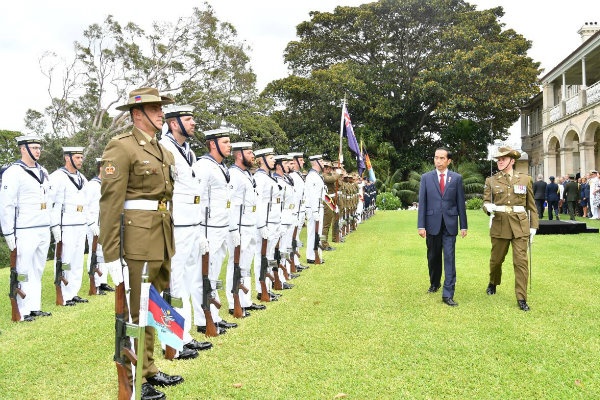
pixel 442 183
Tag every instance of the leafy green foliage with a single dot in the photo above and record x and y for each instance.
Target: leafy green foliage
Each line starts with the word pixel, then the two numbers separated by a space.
pixel 474 203
pixel 387 201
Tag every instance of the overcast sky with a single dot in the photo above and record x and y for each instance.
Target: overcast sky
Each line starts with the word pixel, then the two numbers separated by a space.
pixel 31 27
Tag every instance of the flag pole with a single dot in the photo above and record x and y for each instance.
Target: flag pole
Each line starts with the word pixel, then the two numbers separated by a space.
pixel 340 153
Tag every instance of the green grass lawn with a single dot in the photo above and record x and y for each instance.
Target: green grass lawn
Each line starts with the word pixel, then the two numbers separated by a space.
pixel 361 325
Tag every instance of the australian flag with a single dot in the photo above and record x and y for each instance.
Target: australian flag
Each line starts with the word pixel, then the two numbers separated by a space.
pixel 167 322
pixel 352 142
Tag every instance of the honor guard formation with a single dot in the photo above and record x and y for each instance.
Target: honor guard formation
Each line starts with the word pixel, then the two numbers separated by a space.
pixel 157 215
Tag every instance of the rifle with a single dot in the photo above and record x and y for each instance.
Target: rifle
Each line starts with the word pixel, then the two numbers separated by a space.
pixel 207 298
pixel 15 289
pixel 316 244
pixel 237 272
pixel 59 276
pixel 123 333
pixel 292 259
pixel 94 267
pixel 264 274
pixel 286 274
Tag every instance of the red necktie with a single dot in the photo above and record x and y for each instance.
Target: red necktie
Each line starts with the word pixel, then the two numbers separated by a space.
pixel 442 183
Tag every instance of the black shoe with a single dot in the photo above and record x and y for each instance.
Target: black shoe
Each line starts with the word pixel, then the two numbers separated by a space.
pixel 449 301
pixel 69 303
pixel 226 325
pixel 78 299
pixel 196 345
pixel 149 393
pixel 272 296
pixel 329 248
pixel 28 318
pixel 491 289
pixel 313 261
pixel 40 314
pixel 106 287
pixel 245 313
pixel 100 292
pixel 256 307
pixel 433 289
pixel 301 267
pixel 220 331
pixel 162 379
pixel 286 285
pixel 523 305
pixel 185 354
pixel 294 275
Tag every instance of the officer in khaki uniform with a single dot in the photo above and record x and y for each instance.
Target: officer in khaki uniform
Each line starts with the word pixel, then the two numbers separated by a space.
pixel 137 180
pixel 508 198
pixel 330 178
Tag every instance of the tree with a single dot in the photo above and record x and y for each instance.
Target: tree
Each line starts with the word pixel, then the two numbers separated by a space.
pixel 198 60
pixel 9 151
pixel 410 70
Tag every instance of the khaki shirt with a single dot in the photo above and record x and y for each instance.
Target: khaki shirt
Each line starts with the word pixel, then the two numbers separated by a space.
pixel 135 169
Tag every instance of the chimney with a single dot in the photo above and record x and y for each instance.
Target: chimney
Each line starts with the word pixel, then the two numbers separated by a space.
pixel 587 30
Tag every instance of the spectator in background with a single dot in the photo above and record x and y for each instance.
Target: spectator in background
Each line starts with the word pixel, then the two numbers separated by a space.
pixel 584 194
pixel 539 195
pixel 594 193
pixel 571 195
pixel 561 190
pixel 552 197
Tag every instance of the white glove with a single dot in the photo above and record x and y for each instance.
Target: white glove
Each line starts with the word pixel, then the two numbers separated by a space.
pixel 116 271
pixel 94 228
pixel 489 207
pixel 236 240
pixel 56 233
pixel 264 232
pixel 203 245
pixel 10 242
pixel 532 232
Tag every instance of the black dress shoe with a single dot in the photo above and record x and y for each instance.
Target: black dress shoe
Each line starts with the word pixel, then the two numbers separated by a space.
pixel 100 292
pixel 106 287
pixel 69 303
pixel 313 261
pixel 449 301
pixel 162 379
pixel 28 318
pixel 78 299
pixel 491 289
pixel 433 289
pixel 149 393
pixel 40 314
pixel 286 285
pixel 272 296
pixel 523 305
pixel 245 313
pixel 293 275
pixel 220 331
pixel 185 354
pixel 226 325
pixel 256 307
pixel 196 345
pixel 300 267
pixel 329 248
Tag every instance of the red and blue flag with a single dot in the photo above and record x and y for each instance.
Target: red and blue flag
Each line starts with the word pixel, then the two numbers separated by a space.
pixel 167 322
pixel 352 142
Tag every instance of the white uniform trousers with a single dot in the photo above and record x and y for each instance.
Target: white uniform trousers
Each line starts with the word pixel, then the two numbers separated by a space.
pixel 286 244
pixel 32 250
pixel 73 248
pixel 271 242
pixel 300 224
pixel 247 247
pixel 98 280
pixel 310 234
pixel 217 244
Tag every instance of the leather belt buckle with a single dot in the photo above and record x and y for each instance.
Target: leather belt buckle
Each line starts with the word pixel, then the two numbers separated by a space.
pixel 508 209
pixel 196 199
pixel 42 206
pixel 162 205
pixel 79 208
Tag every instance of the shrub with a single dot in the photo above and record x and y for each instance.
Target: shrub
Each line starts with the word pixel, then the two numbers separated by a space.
pixel 387 201
pixel 474 203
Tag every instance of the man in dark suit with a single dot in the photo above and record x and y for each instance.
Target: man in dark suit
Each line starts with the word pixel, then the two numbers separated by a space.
pixel 539 195
pixel 552 197
pixel 441 203
pixel 571 195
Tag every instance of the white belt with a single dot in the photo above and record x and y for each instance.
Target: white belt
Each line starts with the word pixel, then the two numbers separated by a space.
pixel 148 205
pixel 32 207
pixel 70 208
pixel 509 209
pixel 186 198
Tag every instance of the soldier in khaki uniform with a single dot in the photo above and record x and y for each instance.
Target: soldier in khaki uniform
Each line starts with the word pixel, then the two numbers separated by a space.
pixel 137 180
pixel 330 178
pixel 508 198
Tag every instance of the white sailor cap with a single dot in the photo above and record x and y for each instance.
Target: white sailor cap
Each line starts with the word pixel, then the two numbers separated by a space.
pixel 241 146
pixel 98 159
pixel 27 139
pixel 283 157
pixel 316 157
pixel 72 150
pixel 264 152
pixel 296 154
pixel 172 111
pixel 217 133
